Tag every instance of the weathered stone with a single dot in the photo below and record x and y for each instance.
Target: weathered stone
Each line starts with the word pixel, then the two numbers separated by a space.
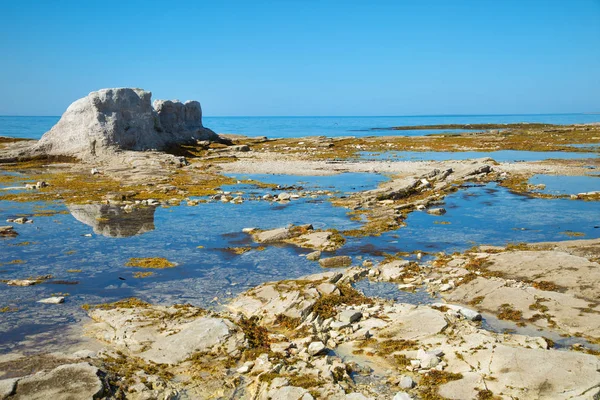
pixel 273 235
pixel 406 382
pixel 22 282
pixel 316 348
pixel 350 316
pixel 469 314
pixel 436 211
pixel 109 120
pixel 392 270
pixel 7 231
pixel 240 147
pixel 7 387
pixel 66 382
pixel 53 300
pixel 314 256
pixel 336 262
pixel 289 393
pixel 402 396
pixel 284 196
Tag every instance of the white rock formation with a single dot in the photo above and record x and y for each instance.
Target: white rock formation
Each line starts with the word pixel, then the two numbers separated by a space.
pixel 110 120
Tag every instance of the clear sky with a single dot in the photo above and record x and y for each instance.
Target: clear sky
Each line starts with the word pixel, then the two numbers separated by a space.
pixel 288 57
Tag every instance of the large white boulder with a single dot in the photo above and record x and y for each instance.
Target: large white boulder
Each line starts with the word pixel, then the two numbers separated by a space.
pixel 110 120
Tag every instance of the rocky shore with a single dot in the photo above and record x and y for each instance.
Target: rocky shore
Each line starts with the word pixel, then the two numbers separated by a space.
pixel 318 337
pixel 517 321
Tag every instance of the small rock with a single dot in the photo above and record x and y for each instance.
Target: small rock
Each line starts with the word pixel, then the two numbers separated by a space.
pixel 248 230
pixel 316 348
pixel 314 256
pixel 350 316
pixel 445 287
pixel 402 396
pixel 336 262
pixel 335 325
pixel 436 211
pixel 95 171
pixel 246 367
pixel 52 300
pixel 240 147
pixel 7 231
pixel 280 347
pixel 284 196
pixel 406 382
pixel 22 282
pixel 469 314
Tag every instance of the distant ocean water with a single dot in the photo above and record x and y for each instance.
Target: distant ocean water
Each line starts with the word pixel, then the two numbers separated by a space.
pixel 276 127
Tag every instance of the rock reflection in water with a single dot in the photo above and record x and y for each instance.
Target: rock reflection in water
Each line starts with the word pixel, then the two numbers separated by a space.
pixel 113 221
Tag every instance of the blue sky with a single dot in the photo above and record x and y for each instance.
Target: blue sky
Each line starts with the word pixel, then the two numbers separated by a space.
pixel 306 57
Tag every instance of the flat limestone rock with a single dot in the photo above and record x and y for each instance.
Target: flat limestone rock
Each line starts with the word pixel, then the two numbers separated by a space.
pixel 583 278
pixel 67 382
pixel 527 374
pixel 273 235
pixel 392 270
pixel 166 335
pixel 418 323
pixel 200 335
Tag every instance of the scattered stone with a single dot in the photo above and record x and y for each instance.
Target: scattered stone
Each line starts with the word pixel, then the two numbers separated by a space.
pixel 240 147
pixel 280 347
pixel 22 282
pixel 402 396
pixel 284 196
pixel 392 270
pixel 314 256
pixel 350 316
pixel 273 235
pixel 7 231
pixel 406 382
pixel 469 314
pixel 246 367
pixel 52 300
pixel 316 348
pixel 336 262
pixel 436 211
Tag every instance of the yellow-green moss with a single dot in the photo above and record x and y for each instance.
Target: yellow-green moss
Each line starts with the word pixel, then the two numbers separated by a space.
pixel 150 262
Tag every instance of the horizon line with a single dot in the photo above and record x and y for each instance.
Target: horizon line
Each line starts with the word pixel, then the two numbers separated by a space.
pixel 348 116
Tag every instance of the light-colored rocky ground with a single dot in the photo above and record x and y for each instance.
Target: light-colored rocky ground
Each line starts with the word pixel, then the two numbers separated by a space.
pixel 316 337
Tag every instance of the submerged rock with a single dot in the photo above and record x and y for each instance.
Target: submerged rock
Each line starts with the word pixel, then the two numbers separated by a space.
pixel 336 262
pixel 110 120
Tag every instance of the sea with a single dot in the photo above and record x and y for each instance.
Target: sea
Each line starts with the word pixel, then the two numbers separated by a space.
pixel 286 127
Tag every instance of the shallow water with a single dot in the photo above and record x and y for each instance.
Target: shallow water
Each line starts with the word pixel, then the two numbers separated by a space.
pixel 197 238
pixel 275 127
pixel 560 184
pixel 500 156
